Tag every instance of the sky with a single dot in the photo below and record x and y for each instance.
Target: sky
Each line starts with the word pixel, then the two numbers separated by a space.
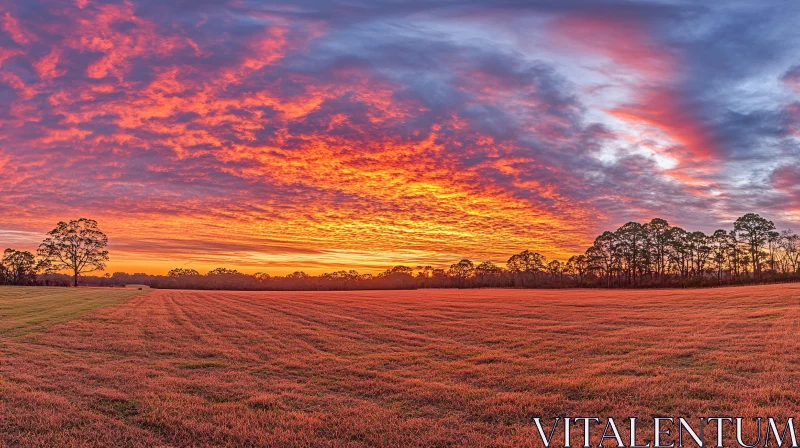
pixel 320 135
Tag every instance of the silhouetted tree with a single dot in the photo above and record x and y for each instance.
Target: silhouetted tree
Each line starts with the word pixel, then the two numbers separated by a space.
pixel 424 271
pixel 790 245
pixel 488 268
pixel 180 272
pixel 401 270
pixel 78 246
pixel 223 271
pixel 578 266
pixel 463 269
pixel 659 236
pixel 18 268
pixel 526 261
pixel 639 255
pixel 604 255
pixel 555 269
pixel 679 251
pixel 773 243
pixel 754 231
pixel 631 245
pixel 700 246
pixel 720 243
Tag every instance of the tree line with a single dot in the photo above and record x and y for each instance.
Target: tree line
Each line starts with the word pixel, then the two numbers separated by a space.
pixel 636 255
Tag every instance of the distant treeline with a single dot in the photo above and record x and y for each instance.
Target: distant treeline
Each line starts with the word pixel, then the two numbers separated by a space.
pixel 636 255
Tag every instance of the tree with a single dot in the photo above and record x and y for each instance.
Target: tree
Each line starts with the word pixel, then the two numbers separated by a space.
pixel 604 255
pixel 658 231
pixel 223 271
pixel 790 245
pixel 700 249
pixel 425 271
pixel 77 246
pixel 555 269
pixel 754 231
pixel 527 261
pixel 720 243
pixel 401 270
pixel 773 243
pixel 578 266
pixel 735 254
pixel 181 272
pixel 487 268
pixel 18 267
pixel 462 269
pixel 680 253
pixel 630 238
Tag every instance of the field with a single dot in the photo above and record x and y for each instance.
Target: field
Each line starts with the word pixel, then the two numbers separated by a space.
pixel 25 310
pixel 377 368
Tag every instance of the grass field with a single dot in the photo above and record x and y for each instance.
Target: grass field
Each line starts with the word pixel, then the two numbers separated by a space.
pixel 24 309
pixel 377 368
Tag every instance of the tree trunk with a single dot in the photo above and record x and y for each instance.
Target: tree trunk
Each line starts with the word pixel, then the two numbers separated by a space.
pixel 75 279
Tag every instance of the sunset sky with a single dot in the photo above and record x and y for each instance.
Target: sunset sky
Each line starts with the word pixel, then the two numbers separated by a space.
pixel 316 135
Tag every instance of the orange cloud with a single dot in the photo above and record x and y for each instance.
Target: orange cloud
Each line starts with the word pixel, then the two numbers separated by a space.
pixel 12 27
pixel 47 66
pixel 216 134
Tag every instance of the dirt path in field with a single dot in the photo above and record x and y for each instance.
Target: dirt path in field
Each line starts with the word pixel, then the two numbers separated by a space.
pixel 394 368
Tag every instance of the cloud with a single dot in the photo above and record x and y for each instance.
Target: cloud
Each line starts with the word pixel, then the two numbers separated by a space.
pixel 792 78
pixel 786 179
pixel 419 130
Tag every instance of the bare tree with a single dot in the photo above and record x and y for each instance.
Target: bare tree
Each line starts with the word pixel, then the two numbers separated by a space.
pixel 77 246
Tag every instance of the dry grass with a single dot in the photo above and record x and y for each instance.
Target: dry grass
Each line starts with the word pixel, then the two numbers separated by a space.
pixel 26 309
pixel 400 368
